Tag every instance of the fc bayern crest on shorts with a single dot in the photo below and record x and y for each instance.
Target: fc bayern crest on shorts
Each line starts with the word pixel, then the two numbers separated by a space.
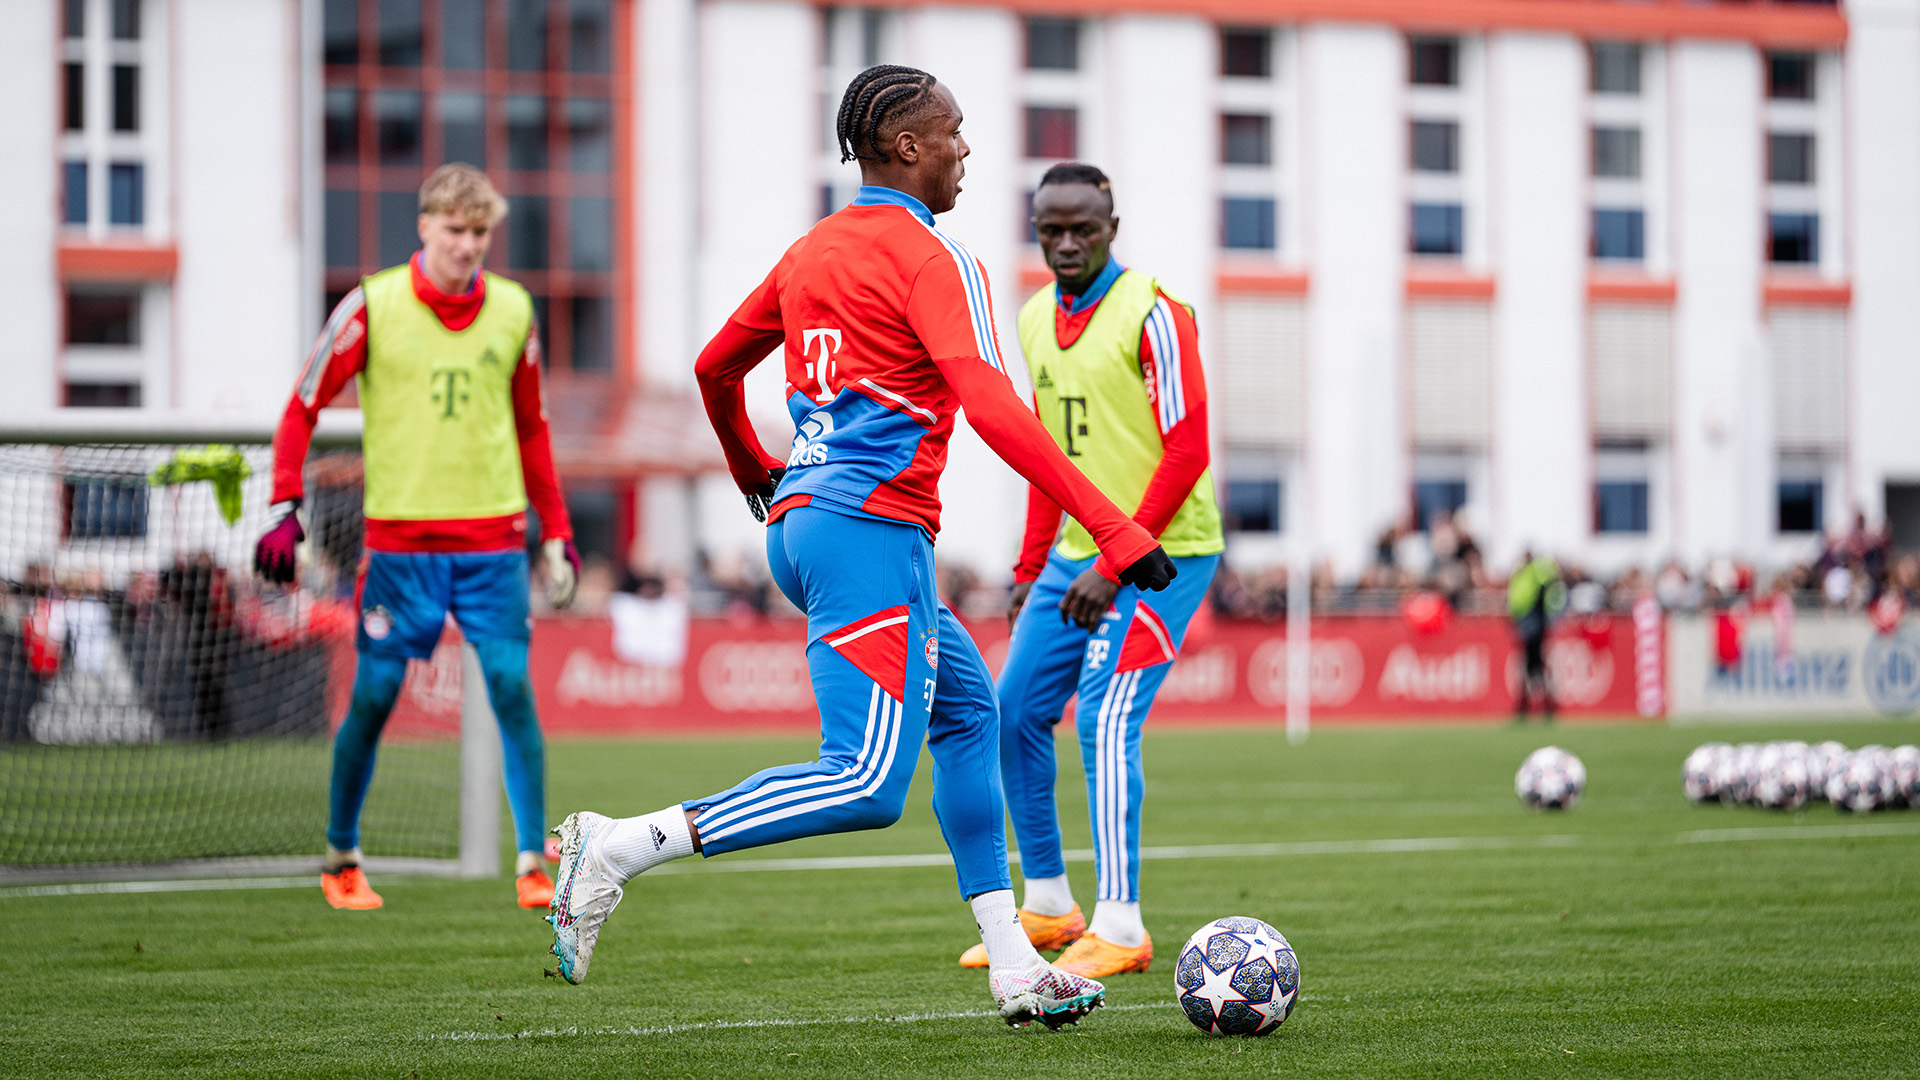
pixel 377 621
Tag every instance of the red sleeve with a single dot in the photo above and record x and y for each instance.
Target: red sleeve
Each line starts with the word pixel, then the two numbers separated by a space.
pixel 750 334
pixel 951 311
pixel 536 444
pixel 1177 389
pixel 1043 527
pixel 339 355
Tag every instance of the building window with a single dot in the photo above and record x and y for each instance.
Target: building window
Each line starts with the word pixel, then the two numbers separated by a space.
pixel 103 317
pixel 1053 131
pixel 126 97
pixel 114 395
pixel 1436 146
pixel 1790 76
pixel 126 193
pixel 126 20
pixel 103 508
pixel 75 20
pixel 524 89
pixel 1246 54
pixel 1438 229
pixel 1434 61
pixel 75 97
pixel 1620 506
pixel 1793 238
pixel 1616 152
pixel 1616 67
pixel 74 195
pixel 1254 505
pixel 1799 506
pixel 1053 44
pixel 1789 158
pixel 1248 223
pixel 1431 496
pixel 1246 139
pixel 1619 234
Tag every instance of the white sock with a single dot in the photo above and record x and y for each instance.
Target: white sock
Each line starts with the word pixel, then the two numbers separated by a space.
pixel 1001 932
pixel 637 844
pixel 1117 922
pixel 528 862
pixel 1048 896
pixel 337 858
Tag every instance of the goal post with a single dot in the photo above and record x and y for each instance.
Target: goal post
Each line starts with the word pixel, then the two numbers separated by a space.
pixel 163 713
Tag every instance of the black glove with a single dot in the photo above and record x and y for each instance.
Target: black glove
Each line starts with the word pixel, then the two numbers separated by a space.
pixel 1150 572
pixel 761 501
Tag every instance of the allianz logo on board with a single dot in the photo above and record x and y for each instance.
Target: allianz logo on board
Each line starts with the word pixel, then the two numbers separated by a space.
pixel 1806 673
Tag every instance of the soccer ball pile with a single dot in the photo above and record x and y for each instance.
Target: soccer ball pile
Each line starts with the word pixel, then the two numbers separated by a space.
pixel 1789 775
pixel 1237 976
pixel 1550 779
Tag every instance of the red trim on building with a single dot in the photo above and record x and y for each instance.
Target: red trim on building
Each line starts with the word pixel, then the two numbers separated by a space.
pixel 1243 281
pixel 117 262
pixel 1034 276
pixel 1810 293
pixel 1631 289
pixel 1763 22
pixel 1431 285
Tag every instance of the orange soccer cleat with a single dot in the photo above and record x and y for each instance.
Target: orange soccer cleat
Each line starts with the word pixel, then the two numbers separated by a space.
pixel 535 889
pixel 1097 959
pixel 1047 932
pixel 347 888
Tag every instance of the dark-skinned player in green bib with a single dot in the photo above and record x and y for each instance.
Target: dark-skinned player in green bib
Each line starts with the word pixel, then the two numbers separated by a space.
pixel 1114 360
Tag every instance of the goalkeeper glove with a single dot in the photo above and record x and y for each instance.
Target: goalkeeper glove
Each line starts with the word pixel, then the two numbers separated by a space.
pixel 762 501
pixel 563 571
pixel 275 556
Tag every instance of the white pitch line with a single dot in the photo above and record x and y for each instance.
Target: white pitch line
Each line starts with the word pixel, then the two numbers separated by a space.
pixel 1798 832
pixel 187 885
pixel 888 862
pixel 1190 851
pixel 720 1025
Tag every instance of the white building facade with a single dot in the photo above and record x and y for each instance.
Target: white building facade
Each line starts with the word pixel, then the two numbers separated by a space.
pixel 1620 281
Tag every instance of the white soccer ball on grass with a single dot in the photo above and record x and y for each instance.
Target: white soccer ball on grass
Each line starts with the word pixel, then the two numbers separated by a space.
pixel 1237 976
pixel 1550 779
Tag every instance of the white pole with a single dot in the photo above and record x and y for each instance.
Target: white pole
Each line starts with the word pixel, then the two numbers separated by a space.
pixel 479 772
pixel 1299 646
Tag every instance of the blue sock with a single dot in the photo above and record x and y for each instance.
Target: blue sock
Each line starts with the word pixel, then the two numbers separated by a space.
pixel 524 758
pixel 376 686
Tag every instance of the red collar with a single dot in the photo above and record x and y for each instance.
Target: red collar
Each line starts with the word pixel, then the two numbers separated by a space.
pixel 456 311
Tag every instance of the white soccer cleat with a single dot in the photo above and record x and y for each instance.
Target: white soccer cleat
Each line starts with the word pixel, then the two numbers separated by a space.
pixel 585 895
pixel 1044 993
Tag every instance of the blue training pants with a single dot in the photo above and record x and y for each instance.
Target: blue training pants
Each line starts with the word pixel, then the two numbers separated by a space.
pixel 1115 670
pixel 404 602
pixel 890 667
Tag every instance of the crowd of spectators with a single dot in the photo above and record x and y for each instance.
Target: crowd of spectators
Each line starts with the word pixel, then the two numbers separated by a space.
pixel 1854 568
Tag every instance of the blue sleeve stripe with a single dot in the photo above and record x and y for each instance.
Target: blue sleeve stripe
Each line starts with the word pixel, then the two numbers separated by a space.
pixel 974 281
pixel 1165 341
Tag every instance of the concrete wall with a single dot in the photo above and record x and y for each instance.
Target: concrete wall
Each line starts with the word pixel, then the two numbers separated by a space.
pixel 29 206
pixel 240 314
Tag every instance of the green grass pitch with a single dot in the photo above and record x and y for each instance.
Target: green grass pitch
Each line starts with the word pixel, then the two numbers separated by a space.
pixel 1623 938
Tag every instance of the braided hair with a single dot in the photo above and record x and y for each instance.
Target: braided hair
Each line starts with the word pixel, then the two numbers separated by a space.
pixel 882 93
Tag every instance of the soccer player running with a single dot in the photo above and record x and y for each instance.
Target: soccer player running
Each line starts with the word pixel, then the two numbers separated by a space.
pixel 1115 364
pixel 886 330
pixel 456 446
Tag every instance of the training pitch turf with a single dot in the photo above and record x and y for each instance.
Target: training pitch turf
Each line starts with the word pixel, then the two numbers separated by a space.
pixel 1633 936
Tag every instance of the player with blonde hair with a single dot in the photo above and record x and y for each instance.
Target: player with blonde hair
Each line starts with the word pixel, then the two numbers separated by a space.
pixel 448 362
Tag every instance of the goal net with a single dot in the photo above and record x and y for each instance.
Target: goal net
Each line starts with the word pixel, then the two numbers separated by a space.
pixel 162 711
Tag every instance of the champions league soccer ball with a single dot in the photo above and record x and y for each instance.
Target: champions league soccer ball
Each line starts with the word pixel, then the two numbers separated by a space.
pixel 1906 775
pixel 1237 976
pixel 1858 783
pixel 1782 782
pixel 1550 779
pixel 1701 773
